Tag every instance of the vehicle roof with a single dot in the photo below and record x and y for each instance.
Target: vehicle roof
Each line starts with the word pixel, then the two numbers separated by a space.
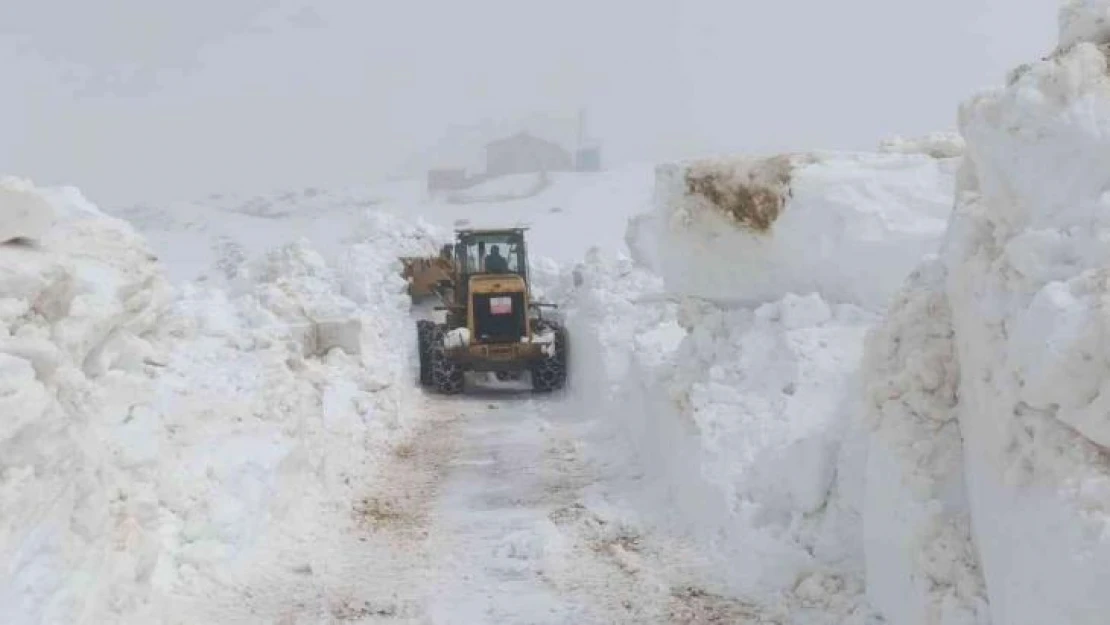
pixel 474 231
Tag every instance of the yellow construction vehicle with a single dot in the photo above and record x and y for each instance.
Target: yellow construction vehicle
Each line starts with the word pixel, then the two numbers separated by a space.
pixel 490 323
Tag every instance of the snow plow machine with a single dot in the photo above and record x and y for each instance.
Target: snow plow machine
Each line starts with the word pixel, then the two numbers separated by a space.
pixel 490 323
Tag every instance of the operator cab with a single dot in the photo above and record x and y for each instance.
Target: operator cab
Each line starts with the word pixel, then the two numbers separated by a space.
pixel 500 251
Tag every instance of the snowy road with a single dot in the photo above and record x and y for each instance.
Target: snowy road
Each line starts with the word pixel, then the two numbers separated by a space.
pixel 483 517
pixel 513 539
pixel 492 521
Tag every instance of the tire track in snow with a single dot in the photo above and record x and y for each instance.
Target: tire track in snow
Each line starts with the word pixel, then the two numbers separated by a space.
pixel 518 542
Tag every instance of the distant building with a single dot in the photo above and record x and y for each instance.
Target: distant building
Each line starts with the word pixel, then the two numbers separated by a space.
pixel 447 179
pixel 523 153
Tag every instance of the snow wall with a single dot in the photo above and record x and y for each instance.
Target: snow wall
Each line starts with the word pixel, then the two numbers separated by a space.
pixel 731 343
pixel 992 372
pixel 848 227
pixel 809 392
pixel 155 445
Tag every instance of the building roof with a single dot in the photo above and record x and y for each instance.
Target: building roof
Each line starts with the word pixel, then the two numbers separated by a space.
pixel 522 137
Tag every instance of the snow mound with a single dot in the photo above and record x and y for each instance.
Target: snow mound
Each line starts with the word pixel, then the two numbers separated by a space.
pixel 989 380
pixel 935 144
pixel 849 227
pixel 734 419
pixel 730 356
pixel 24 214
pixel 158 449
pixel 502 189
pixel 1084 20
pixel 77 314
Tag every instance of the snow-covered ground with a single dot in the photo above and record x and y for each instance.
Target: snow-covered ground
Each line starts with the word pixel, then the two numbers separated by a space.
pixel 815 388
pixel 204 238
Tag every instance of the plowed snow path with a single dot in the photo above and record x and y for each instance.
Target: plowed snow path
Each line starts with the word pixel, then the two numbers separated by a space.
pixel 516 542
pixel 481 519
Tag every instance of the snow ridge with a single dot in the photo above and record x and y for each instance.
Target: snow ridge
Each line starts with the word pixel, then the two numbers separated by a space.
pixel 1013 308
pixel 158 447
pixel 850 228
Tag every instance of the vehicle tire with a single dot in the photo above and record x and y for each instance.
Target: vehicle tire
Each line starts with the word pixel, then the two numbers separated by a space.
pixel 447 375
pixel 424 331
pixel 550 373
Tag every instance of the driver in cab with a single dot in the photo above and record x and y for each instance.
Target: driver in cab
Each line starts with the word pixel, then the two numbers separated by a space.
pixel 495 262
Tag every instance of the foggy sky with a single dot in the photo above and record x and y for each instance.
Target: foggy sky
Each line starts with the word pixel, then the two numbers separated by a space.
pixel 144 100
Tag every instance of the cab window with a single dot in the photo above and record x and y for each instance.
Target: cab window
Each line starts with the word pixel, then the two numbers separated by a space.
pixel 476 253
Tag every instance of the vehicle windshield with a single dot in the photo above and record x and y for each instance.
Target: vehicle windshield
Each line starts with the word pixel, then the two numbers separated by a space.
pixel 491 253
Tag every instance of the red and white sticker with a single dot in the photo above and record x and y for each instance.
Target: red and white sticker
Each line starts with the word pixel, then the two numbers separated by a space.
pixel 500 305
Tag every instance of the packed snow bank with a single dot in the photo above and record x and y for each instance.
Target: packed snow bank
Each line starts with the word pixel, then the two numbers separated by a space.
pixel 289 426
pixel 921 567
pixel 1084 20
pixel 77 310
pixel 849 227
pixel 989 380
pixel 734 420
pixel 733 373
pixel 23 212
pixel 154 450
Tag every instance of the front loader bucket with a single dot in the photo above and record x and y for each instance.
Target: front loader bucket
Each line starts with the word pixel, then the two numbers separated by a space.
pixel 424 273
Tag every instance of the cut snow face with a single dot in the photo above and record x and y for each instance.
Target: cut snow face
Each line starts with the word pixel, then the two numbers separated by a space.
pixel 989 381
pixel 751 194
pixel 849 227
pixel 732 380
pixel 1026 261
pixel 920 564
pixel 735 416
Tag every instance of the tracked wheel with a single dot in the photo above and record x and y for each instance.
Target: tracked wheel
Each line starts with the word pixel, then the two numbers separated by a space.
pixel 424 331
pixel 447 375
pixel 550 373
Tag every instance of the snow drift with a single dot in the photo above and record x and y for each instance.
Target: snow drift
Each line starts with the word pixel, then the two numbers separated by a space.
pixel 156 446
